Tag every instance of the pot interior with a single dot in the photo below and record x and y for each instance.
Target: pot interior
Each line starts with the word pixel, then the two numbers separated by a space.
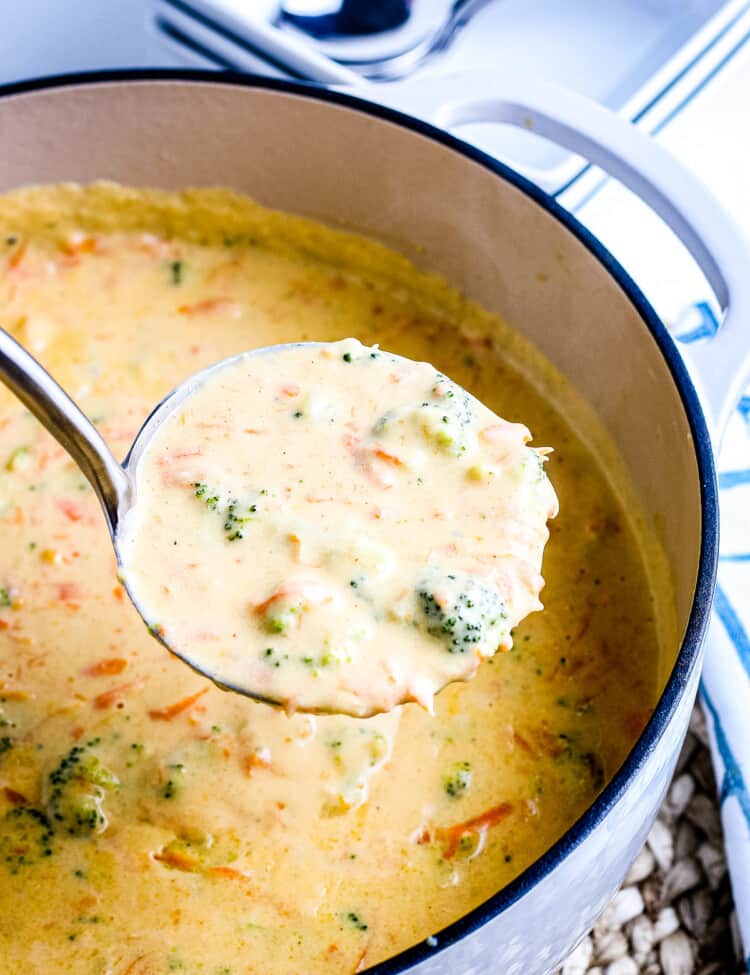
pixel 445 211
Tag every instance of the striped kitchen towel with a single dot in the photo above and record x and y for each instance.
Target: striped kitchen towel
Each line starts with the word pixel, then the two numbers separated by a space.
pixel 725 687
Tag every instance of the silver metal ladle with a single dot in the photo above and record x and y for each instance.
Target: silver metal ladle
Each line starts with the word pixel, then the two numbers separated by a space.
pixel 114 483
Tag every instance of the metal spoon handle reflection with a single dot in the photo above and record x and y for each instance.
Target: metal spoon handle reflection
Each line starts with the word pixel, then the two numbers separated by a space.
pixel 52 406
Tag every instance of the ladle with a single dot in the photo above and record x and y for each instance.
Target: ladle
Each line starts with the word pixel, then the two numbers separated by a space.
pixel 113 482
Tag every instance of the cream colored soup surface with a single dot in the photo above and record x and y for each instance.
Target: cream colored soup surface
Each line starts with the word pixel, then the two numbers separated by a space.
pixel 336 528
pixel 151 823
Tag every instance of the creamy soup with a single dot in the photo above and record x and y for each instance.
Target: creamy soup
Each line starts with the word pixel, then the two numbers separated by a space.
pixel 336 528
pixel 151 823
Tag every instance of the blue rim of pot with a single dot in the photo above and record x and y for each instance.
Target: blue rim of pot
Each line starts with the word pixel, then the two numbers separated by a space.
pixel 689 651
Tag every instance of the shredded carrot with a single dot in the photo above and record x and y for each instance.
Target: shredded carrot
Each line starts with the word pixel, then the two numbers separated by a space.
pixel 255 760
pixel 296 543
pixel 178 860
pixel 70 509
pixel 389 458
pixel 13 797
pixel 209 304
pixel 584 628
pixel 87 902
pixel 172 710
pixel 229 872
pixel 115 694
pixel 180 454
pixel 118 592
pixel 452 834
pixel 67 591
pixel 77 245
pixel 519 740
pixel 106 667
pixel 291 389
pixel 18 255
pixel 260 608
pixel 134 968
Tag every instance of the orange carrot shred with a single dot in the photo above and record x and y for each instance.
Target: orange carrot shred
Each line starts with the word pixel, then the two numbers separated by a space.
pixel 255 760
pixel 70 509
pixel 106 667
pixel 452 834
pixel 172 710
pixel 389 458
pixel 13 797
pixel 229 872
pixel 178 860
pixel 84 245
pixel 209 304
pixel 67 591
pixel 18 255
pixel 114 694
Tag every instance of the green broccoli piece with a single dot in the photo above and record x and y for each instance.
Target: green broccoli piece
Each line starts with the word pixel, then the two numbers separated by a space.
pixel 175 780
pixel 462 610
pixel 235 515
pixel 454 399
pixel 458 780
pixel 77 788
pixel 25 836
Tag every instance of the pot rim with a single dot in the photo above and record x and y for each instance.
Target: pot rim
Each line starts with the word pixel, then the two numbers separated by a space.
pixel 692 640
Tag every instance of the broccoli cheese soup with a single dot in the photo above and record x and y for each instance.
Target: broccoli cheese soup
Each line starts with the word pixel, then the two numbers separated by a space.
pixel 152 823
pixel 336 528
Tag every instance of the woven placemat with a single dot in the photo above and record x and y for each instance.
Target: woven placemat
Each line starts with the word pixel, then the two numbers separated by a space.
pixel 674 914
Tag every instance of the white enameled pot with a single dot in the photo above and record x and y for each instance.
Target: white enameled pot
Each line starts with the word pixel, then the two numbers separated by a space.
pixel 510 247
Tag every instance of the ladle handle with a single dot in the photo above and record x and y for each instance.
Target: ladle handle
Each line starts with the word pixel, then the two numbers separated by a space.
pixel 52 406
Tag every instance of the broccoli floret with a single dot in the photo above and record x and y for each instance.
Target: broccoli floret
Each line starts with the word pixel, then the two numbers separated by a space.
pixel 458 780
pixel 533 466
pixel 462 610
pixel 235 514
pixel 442 418
pixel 442 427
pixel 77 788
pixel 175 780
pixel 453 398
pixel 25 837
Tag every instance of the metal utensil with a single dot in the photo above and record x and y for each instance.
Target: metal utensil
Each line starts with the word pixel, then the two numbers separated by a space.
pixel 113 482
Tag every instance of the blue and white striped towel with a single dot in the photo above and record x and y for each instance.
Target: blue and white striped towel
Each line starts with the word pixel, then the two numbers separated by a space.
pixel 725 687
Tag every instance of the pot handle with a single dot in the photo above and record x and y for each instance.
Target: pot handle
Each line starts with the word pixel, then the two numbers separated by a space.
pixel 719 367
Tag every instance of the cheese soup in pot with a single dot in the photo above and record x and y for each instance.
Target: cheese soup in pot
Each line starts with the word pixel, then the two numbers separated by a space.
pixel 152 823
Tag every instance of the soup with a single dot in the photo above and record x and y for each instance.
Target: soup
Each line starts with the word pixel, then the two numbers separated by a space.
pixel 151 823
pixel 335 528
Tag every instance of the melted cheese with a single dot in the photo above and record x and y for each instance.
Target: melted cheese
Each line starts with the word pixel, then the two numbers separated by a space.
pixel 336 528
pixel 200 831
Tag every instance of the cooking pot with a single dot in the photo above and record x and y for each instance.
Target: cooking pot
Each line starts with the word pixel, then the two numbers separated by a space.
pixel 510 247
